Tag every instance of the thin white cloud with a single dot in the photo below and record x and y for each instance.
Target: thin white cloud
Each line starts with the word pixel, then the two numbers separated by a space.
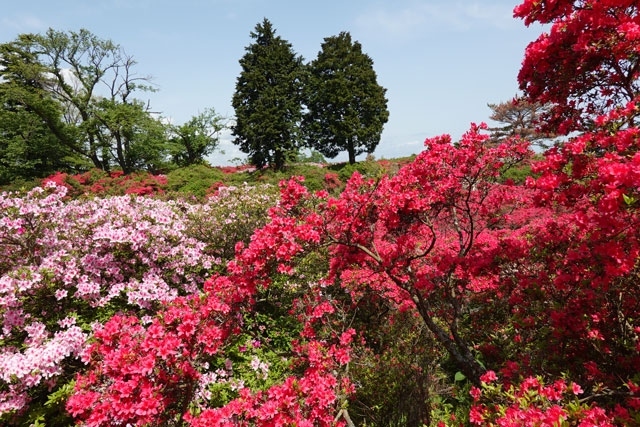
pixel 419 17
pixel 498 16
pixel 23 24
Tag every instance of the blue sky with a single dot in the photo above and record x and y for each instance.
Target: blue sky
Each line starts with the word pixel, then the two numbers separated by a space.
pixel 441 61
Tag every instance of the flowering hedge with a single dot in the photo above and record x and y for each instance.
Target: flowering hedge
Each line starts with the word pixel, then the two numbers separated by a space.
pixel 68 265
pixel 530 290
pixel 441 239
pixel 532 402
pixel 195 361
pixel 100 183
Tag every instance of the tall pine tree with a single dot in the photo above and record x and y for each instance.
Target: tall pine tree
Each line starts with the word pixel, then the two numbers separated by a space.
pixel 521 117
pixel 268 99
pixel 346 107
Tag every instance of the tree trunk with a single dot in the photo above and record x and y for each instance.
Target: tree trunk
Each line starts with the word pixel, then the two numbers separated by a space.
pixel 457 349
pixel 121 155
pixel 352 152
pixel 278 160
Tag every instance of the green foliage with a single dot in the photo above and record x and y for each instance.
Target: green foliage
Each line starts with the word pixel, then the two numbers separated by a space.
pixel 138 139
pixel 193 180
pixel 192 141
pixel 27 149
pixel 34 141
pixel 200 180
pixel 268 100
pixel 314 175
pixel 67 104
pixel 230 216
pixel 19 185
pixel 312 156
pixel 517 174
pixel 368 169
pixel 52 412
pixel 397 370
pixel 347 108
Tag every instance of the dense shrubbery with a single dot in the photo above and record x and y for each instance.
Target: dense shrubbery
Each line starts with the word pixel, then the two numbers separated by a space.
pixel 448 292
pixel 268 337
pixel 193 181
pixel 99 183
pixel 67 264
pixel 368 168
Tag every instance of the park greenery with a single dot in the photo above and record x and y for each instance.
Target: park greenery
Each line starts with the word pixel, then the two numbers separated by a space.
pixel 72 102
pixel 478 282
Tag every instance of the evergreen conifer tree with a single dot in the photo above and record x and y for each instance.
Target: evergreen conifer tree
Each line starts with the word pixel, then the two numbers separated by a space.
pixel 268 99
pixel 346 107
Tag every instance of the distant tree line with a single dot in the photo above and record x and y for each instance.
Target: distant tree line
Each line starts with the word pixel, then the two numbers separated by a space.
pixel 70 101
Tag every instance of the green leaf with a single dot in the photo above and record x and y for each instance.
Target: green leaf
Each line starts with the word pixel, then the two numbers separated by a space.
pixel 459 376
pixel 61 394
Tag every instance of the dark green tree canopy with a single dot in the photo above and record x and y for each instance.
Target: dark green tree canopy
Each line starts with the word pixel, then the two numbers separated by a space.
pixel 78 90
pixel 34 140
pixel 346 107
pixel 268 99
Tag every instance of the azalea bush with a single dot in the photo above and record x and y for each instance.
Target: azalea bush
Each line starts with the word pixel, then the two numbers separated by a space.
pixel 375 232
pixel 100 183
pixel 214 371
pixel 532 402
pixel 69 265
pixel 444 240
pixel 585 66
pixel 469 297
pixel 229 215
pixel 194 180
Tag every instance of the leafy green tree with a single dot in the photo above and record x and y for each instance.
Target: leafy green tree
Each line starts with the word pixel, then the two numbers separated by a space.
pixel 347 108
pixel 81 88
pixel 28 150
pixel 133 139
pixel 312 156
pixel 34 141
pixel 192 141
pixel 268 99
